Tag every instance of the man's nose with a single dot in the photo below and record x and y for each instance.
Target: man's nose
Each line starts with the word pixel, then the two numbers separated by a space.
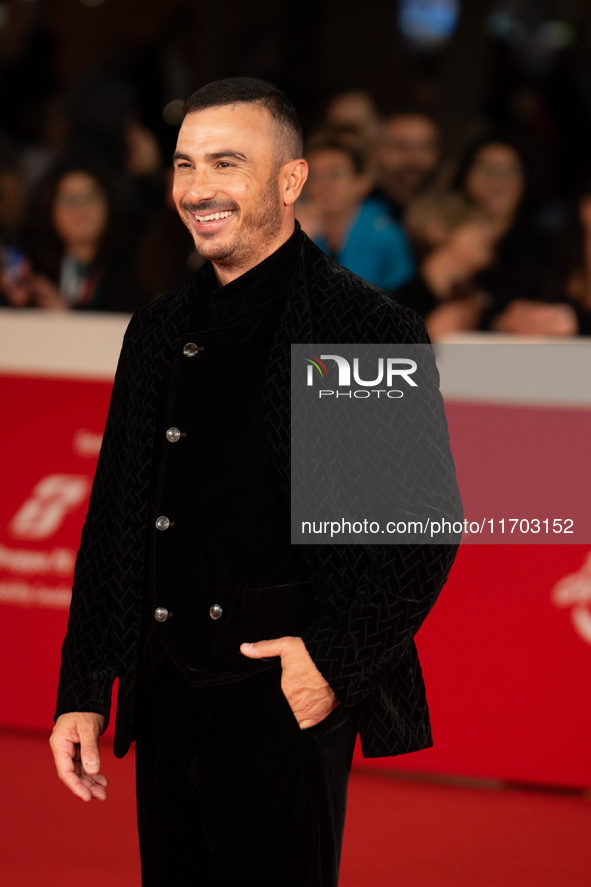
pixel 202 186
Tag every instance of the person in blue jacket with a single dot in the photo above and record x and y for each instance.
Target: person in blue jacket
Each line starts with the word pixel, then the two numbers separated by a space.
pixel 355 230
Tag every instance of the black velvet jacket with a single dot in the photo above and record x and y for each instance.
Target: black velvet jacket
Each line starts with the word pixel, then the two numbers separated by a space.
pixel 374 598
pixel 230 536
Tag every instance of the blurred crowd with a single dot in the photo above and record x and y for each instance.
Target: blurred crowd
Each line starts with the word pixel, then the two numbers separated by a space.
pixel 86 214
pixel 462 240
pixel 87 220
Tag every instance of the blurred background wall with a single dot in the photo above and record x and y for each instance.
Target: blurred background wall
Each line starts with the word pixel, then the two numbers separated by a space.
pixel 524 64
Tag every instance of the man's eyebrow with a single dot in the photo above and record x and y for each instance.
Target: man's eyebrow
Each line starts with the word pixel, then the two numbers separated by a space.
pixel 234 155
pixel 218 155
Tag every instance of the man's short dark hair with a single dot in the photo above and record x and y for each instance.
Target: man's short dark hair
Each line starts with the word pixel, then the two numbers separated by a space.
pixel 250 90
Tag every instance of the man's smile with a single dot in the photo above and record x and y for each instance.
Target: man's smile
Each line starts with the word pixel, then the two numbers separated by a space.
pixel 214 216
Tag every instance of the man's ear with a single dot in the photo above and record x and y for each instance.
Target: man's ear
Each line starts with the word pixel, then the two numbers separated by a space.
pixel 291 180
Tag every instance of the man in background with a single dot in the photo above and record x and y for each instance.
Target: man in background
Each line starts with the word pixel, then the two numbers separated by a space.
pixel 406 156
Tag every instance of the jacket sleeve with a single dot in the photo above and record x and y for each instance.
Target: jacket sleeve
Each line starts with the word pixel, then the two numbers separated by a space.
pixel 383 592
pixel 88 666
pixel 367 630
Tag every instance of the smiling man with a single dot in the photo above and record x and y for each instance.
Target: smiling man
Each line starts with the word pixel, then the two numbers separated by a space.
pixel 246 665
pixel 237 204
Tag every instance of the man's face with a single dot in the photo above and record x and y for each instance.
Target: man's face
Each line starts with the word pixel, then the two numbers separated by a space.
pixel 407 154
pixel 226 184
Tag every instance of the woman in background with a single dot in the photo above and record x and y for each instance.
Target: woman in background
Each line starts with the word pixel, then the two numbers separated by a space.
pixel 78 247
pixel 494 178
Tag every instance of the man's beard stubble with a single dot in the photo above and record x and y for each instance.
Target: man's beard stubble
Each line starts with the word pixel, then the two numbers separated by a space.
pixel 263 220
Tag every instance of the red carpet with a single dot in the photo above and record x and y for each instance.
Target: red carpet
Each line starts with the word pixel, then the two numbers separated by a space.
pixel 400 833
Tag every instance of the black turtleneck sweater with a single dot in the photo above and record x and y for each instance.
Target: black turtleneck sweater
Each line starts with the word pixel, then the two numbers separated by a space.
pixel 219 524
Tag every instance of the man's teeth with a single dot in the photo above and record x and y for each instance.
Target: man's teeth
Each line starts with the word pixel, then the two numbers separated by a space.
pixel 213 216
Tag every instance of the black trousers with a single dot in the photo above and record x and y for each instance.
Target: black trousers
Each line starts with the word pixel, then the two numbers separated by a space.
pixel 232 792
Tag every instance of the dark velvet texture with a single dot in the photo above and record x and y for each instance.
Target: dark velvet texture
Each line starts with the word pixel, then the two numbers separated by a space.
pixel 373 598
pixel 230 530
pixel 230 790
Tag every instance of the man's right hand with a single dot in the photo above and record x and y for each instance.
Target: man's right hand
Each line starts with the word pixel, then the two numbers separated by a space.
pixel 74 743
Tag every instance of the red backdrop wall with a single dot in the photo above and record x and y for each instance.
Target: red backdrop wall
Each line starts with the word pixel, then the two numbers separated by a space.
pixel 506 652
